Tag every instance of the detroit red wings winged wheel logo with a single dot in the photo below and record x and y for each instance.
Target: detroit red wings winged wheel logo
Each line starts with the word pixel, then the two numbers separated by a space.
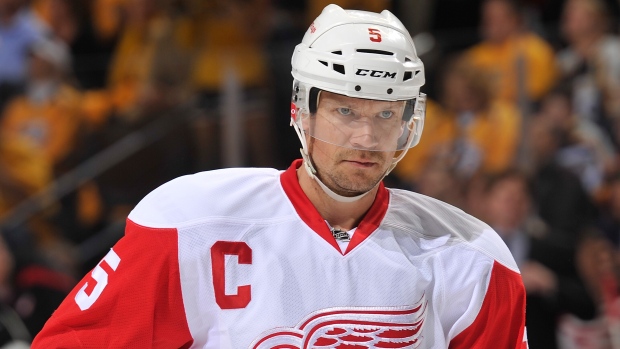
pixel 351 328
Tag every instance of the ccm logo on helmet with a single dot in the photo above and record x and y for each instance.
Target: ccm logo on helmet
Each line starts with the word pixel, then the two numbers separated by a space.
pixel 375 73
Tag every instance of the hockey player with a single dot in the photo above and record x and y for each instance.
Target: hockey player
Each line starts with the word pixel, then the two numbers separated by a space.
pixel 321 255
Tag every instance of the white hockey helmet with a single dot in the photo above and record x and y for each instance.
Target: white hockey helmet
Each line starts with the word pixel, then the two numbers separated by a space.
pixel 358 54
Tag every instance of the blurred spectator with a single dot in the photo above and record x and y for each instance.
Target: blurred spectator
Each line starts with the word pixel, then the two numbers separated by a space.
pixel 230 67
pixel 520 63
pixel 150 83
pixel 24 172
pixel 583 147
pixel 40 129
pixel 47 115
pixel 561 200
pixel 35 276
pixel 153 50
pixel 133 58
pixel 468 132
pixel 229 37
pixel 438 181
pixel 18 31
pixel 44 280
pixel 591 63
pixel 107 17
pixel 73 22
pixel 609 221
pixel 546 261
pixel 599 260
pixel 13 331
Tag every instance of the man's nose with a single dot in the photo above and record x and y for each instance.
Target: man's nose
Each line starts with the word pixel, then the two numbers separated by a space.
pixel 364 136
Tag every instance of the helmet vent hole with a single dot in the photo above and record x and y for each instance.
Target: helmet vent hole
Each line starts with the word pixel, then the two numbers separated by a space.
pixel 337 52
pixel 323 62
pixel 408 76
pixel 417 72
pixel 358 87
pixel 407 59
pixel 339 68
pixel 375 52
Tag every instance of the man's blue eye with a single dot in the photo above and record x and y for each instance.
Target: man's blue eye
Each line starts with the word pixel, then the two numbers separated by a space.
pixel 344 111
pixel 386 114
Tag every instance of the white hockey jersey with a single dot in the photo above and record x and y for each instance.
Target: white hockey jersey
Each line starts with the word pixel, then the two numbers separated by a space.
pixel 240 258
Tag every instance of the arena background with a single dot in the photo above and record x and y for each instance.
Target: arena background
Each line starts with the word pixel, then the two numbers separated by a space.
pixel 101 101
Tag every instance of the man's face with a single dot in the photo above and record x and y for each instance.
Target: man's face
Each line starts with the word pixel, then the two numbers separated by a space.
pixel 579 20
pixel 498 21
pixel 353 141
pixel 508 203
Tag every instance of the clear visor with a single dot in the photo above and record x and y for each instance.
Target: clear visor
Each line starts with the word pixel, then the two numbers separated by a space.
pixel 364 124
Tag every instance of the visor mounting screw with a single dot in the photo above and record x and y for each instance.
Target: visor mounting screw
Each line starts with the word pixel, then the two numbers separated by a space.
pixel 297 89
pixel 295 98
pixel 389 91
pixel 358 88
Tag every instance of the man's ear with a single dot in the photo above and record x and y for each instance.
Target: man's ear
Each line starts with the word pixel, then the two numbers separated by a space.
pixel 402 128
pixel 306 119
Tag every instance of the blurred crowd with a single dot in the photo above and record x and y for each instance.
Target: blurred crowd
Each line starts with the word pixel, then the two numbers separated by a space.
pixel 101 101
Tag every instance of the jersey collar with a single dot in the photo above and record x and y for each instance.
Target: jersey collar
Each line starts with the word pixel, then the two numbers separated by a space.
pixel 308 213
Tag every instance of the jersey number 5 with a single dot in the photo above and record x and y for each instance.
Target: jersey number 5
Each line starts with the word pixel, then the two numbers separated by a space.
pixel 219 250
pixel 85 301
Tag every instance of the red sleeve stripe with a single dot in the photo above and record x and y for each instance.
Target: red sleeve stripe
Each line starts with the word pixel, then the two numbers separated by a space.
pixel 501 320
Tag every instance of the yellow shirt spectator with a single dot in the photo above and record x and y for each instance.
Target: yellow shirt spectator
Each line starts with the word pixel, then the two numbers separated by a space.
pixel 50 126
pixel 229 36
pixel 153 49
pixel 107 17
pixel 501 61
pixel 131 66
pixel 24 167
pixel 494 133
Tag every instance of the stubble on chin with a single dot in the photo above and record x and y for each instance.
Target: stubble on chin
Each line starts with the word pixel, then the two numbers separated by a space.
pixel 351 182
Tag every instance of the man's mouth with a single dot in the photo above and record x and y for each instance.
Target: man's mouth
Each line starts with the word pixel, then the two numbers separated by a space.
pixel 361 163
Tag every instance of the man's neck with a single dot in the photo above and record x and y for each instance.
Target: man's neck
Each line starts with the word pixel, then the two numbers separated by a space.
pixel 343 215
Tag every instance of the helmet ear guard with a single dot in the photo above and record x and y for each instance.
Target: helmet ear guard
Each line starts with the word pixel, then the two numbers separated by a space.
pixel 305 98
pixel 313 100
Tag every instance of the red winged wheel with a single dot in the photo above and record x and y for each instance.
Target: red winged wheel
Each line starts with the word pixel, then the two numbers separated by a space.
pixel 351 328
